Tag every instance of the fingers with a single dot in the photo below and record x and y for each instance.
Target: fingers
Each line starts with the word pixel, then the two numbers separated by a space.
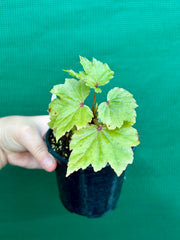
pixel 24 159
pixel 41 123
pixel 31 139
pixel 21 134
pixel 3 159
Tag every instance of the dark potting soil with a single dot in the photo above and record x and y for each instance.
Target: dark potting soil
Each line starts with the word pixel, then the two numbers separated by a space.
pixel 62 145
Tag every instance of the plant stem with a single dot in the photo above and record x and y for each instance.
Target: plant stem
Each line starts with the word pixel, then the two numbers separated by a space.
pixel 93 110
pixel 95 121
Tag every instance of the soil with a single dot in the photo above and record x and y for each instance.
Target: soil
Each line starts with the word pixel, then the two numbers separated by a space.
pixel 62 145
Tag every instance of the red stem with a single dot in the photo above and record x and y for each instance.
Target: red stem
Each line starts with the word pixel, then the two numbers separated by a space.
pixel 94 104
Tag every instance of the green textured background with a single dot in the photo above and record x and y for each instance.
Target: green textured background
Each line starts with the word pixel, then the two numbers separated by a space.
pixel 140 40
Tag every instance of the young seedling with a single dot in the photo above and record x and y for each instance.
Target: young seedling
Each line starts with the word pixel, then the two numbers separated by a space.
pixel 101 135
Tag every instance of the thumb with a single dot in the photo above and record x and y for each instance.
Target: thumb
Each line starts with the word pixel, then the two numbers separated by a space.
pixel 31 139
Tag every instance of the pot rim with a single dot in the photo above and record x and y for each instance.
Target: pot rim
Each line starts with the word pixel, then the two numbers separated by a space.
pixel 57 156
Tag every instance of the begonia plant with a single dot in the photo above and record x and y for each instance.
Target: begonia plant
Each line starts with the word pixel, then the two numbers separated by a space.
pixel 101 135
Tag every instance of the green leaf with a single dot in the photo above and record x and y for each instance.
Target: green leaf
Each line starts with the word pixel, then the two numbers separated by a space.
pixel 54 109
pixel 96 73
pixel 72 90
pixel 99 146
pixel 119 107
pixel 69 110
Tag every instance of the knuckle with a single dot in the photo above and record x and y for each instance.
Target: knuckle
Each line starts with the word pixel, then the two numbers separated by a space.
pixel 26 130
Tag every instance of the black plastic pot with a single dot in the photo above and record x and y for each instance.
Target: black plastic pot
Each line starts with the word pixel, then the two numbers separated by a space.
pixel 85 192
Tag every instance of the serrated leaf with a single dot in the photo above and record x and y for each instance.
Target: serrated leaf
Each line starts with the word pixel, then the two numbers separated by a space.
pixel 69 110
pixel 99 146
pixel 96 73
pixel 72 89
pixel 119 107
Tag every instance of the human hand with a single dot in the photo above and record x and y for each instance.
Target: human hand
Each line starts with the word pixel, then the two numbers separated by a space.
pixel 21 142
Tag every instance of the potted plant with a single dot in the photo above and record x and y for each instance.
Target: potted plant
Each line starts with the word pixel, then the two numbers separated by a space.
pixel 92 146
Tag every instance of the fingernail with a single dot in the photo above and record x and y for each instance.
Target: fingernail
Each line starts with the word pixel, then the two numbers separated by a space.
pixel 49 162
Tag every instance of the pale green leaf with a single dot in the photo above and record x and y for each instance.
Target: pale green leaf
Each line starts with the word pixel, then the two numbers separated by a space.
pixel 119 107
pixel 69 110
pixel 54 109
pixel 72 89
pixel 98 146
pixel 96 73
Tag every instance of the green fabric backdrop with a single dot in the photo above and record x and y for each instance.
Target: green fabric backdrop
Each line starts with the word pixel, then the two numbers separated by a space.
pixel 140 40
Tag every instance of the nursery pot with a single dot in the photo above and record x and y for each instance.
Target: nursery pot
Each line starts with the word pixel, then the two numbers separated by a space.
pixel 85 192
